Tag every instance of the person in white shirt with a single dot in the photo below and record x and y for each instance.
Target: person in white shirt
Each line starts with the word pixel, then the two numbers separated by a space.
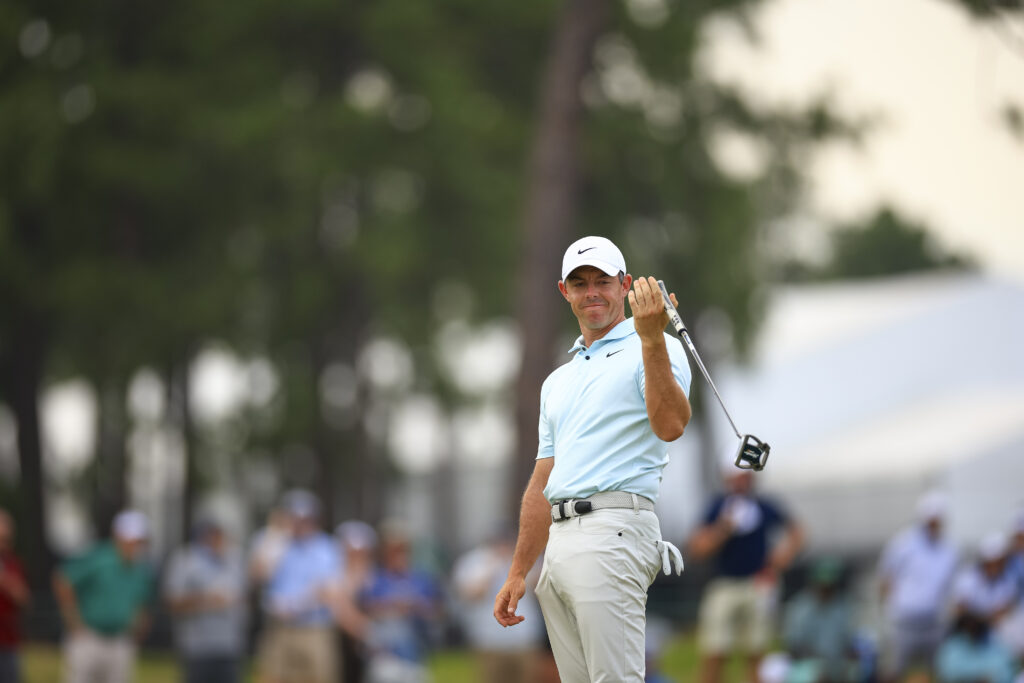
pixel 987 588
pixel 504 656
pixel 916 572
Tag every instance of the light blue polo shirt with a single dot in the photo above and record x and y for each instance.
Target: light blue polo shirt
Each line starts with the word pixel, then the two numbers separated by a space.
pixel 593 418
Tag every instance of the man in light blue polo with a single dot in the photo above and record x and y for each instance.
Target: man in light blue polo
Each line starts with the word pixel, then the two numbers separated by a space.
pixel 298 646
pixel 605 420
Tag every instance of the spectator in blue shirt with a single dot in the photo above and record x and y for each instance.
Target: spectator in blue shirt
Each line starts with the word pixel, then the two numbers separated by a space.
pixel 403 606
pixel 298 644
pixel 738 606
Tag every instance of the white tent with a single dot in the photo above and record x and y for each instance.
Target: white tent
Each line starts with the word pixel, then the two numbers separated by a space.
pixel 872 392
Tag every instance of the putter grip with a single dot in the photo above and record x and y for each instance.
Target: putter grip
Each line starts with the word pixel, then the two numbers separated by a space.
pixel 673 314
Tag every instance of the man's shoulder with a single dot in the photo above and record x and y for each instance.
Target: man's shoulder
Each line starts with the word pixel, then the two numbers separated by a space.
pixel 556 375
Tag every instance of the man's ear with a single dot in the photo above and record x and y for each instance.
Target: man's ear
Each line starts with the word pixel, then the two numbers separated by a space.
pixel 627 282
pixel 563 290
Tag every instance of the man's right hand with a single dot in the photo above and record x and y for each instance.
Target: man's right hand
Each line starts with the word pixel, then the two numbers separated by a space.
pixel 507 600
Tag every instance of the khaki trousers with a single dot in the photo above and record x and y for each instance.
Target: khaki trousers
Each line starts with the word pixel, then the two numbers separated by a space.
pixel 593 593
pixel 298 654
pixel 93 658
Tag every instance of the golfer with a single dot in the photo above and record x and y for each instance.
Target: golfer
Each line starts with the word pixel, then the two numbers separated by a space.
pixel 605 418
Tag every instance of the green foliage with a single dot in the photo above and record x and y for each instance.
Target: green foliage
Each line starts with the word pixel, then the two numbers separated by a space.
pixel 294 178
pixel 886 244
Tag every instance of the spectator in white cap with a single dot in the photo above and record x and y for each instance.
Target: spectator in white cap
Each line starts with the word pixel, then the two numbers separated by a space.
pixel 916 572
pixel 103 598
pixel 986 588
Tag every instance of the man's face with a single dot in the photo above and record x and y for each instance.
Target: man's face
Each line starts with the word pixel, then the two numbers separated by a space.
pixel 597 299
pixel 933 527
pixel 993 568
pixel 397 555
pixel 216 540
pixel 131 550
pixel 303 526
pixel 740 482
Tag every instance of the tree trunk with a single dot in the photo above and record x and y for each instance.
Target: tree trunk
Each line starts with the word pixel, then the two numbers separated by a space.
pixel 180 405
pixel 111 492
pixel 24 383
pixel 554 179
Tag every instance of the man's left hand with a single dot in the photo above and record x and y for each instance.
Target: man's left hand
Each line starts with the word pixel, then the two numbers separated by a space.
pixel 648 308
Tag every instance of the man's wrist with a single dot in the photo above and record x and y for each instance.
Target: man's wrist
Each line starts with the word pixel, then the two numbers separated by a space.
pixel 654 340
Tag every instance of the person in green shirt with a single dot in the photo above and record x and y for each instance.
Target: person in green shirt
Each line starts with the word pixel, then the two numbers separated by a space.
pixel 103 597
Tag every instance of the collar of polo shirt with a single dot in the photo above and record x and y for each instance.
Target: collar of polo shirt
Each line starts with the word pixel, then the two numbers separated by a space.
pixel 620 331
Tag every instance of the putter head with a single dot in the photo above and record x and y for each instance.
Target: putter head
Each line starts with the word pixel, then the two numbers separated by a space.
pixel 752 453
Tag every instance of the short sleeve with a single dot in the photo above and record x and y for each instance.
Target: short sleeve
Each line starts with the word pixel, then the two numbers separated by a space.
pixel 892 557
pixel 545 438
pixel 176 580
pixel 79 570
pixel 774 515
pixel 677 360
pixel 711 514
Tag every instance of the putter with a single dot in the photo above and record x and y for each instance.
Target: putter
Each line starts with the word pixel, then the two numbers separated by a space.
pixel 752 453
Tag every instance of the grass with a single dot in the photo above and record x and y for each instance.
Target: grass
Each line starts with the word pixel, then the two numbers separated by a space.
pixel 41 663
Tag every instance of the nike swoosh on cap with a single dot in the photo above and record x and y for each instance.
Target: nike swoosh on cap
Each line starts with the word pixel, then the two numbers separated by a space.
pixel 587 249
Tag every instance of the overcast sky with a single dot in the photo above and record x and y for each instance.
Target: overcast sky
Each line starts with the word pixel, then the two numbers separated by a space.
pixel 938 83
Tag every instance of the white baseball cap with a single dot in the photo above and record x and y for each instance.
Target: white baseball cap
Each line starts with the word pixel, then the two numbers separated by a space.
pixel 599 252
pixel 357 535
pixel 993 546
pixel 301 504
pixel 131 525
pixel 933 505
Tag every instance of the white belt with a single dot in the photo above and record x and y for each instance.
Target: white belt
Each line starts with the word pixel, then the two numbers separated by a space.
pixel 574 507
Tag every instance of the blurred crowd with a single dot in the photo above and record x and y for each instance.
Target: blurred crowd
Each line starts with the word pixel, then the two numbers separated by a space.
pixel 316 607
pixel 943 617
pixel 354 604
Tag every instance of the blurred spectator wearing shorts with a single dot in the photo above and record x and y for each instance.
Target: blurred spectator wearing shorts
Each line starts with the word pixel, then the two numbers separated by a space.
pixel 737 611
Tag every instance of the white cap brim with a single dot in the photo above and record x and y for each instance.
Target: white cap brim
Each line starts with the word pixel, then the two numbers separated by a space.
pixel 597 263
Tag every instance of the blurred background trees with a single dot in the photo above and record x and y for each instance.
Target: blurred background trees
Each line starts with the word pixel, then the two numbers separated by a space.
pixel 341 196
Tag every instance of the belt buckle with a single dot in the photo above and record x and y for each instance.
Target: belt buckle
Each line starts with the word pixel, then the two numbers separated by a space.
pixel 569 508
pixel 559 510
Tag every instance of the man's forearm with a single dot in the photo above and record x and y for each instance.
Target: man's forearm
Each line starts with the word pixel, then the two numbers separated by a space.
pixel 66 602
pixel 534 521
pixel 668 409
